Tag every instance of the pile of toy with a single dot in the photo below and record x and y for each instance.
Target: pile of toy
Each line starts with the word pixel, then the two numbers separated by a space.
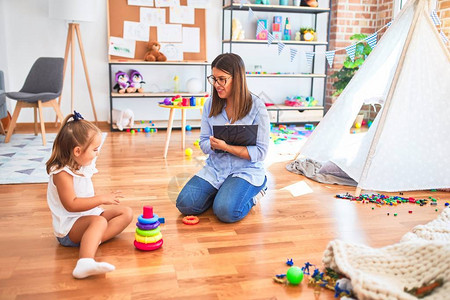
pixel 282 133
pixel 148 235
pixel 278 32
pixel 180 101
pixel 328 279
pixel 380 199
pixel 300 101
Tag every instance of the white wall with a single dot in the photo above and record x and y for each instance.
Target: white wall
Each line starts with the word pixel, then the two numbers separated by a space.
pixel 27 32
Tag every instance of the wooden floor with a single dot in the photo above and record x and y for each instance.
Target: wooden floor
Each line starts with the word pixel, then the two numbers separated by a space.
pixel 211 260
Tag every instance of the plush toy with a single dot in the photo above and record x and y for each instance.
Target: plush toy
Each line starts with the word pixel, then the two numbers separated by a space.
pixel 236 29
pixel 308 34
pixel 310 3
pixel 153 53
pixel 123 118
pixel 136 82
pixel 122 82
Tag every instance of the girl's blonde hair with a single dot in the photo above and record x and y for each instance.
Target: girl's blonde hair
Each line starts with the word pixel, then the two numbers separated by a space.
pixel 73 133
pixel 232 64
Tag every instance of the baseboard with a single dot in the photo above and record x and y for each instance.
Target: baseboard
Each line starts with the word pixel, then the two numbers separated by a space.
pixel 50 127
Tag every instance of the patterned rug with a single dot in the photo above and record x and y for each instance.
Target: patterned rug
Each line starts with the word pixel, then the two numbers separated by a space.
pixel 23 159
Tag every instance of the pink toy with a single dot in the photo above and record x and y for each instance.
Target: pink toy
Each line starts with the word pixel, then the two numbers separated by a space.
pixel 148 212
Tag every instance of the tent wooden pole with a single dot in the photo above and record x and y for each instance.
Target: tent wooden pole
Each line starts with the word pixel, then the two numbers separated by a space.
pixel 387 103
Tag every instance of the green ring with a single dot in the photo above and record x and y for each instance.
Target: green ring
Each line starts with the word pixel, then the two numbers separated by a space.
pixel 152 232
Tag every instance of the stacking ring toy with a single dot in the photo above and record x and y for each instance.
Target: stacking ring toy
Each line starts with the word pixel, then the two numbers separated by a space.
pixel 152 232
pixel 148 247
pixel 147 239
pixel 143 220
pixel 191 220
pixel 148 226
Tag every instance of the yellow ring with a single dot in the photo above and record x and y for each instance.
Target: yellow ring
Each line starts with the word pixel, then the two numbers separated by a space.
pixel 148 239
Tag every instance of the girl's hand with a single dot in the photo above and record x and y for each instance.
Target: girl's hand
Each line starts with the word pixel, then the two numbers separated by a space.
pixel 217 144
pixel 112 198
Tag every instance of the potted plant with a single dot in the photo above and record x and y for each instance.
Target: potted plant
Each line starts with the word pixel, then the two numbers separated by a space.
pixel 350 67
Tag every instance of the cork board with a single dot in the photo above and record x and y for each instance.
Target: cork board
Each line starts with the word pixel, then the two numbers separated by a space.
pixel 119 11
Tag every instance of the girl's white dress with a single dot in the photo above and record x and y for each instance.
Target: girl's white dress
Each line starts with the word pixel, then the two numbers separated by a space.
pixel 63 220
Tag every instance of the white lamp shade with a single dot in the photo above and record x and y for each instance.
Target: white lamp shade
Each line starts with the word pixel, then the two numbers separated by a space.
pixel 73 10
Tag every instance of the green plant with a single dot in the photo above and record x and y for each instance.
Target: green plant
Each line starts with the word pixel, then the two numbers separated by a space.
pixel 350 67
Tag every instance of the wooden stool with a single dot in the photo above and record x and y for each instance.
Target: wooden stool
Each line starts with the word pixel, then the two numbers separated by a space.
pixel 183 123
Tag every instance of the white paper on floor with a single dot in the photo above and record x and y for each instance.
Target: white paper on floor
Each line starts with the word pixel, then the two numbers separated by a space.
pixel 298 189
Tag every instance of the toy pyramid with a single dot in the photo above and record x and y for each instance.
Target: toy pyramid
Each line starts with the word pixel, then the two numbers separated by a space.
pixel 148 235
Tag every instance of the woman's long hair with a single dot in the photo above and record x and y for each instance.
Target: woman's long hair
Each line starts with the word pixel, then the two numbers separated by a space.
pixel 233 65
pixel 73 133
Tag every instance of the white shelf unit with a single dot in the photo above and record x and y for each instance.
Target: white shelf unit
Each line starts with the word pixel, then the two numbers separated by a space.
pixel 146 103
pixel 280 113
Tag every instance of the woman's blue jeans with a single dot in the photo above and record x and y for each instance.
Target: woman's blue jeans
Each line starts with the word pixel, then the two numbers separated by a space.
pixel 230 203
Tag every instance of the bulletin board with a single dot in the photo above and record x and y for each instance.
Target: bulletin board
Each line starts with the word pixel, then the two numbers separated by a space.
pixel 119 11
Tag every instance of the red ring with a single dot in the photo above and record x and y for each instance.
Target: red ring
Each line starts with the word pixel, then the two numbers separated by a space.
pixel 148 247
pixel 191 220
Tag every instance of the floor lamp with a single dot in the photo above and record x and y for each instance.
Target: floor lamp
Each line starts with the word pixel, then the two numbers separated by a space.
pixel 74 11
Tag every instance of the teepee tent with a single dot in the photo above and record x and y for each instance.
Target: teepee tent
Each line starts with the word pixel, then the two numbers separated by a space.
pixel 408 145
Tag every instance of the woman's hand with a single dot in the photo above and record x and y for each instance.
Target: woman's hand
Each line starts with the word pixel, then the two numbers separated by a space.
pixel 217 144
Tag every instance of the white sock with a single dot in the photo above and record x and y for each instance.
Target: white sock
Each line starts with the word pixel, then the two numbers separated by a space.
pixel 258 196
pixel 88 266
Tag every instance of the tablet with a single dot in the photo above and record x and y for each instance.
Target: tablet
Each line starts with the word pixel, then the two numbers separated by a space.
pixel 236 135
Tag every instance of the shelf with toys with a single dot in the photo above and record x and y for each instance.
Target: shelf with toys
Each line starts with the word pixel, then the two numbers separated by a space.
pixel 264 42
pixel 291 31
pixel 275 8
pixel 160 81
pixel 287 75
pixel 281 113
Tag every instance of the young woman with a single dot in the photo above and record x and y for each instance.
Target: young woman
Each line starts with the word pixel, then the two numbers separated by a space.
pixel 231 181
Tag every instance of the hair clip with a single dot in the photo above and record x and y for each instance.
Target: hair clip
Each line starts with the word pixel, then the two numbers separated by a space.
pixel 77 116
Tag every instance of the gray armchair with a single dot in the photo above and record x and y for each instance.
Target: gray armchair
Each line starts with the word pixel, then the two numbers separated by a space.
pixel 3 110
pixel 41 89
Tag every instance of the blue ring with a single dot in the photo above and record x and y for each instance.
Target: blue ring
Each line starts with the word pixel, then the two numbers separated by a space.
pixel 142 220
pixel 148 226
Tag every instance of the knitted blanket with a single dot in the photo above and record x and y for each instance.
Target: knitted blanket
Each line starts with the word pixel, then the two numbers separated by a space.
pixel 420 258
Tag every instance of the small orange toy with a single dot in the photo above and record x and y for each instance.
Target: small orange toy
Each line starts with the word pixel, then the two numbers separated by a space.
pixel 191 220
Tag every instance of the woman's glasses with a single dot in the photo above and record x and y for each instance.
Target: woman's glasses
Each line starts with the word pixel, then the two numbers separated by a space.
pixel 222 81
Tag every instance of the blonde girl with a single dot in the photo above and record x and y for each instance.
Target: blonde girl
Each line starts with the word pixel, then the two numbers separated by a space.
pixel 78 221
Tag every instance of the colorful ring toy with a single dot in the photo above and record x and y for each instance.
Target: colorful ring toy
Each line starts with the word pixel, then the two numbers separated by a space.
pixel 191 220
pixel 148 247
pixel 148 226
pixel 152 232
pixel 147 239
pixel 143 220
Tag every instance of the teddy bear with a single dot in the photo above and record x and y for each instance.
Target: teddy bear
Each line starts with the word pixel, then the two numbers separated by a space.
pixel 310 3
pixel 153 53
pixel 122 82
pixel 136 82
